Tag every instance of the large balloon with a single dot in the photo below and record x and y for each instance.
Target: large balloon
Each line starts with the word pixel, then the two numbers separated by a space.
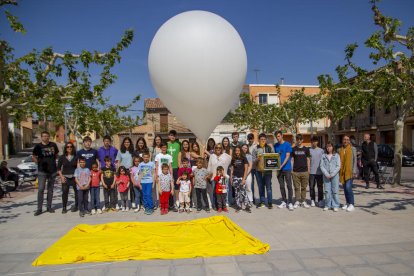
pixel 197 63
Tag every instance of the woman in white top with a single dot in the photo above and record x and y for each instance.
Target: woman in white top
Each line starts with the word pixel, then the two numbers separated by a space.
pixel 249 158
pixel 218 158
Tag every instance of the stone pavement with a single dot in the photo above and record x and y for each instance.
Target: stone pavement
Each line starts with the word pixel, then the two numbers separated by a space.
pixel 376 239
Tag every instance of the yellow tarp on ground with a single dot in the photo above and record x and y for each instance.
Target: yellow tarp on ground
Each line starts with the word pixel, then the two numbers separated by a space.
pixel 120 241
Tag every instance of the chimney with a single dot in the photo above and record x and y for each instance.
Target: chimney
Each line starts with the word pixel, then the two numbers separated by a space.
pixel 282 81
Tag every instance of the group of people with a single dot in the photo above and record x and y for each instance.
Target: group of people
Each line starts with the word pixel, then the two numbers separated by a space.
pixel 180 176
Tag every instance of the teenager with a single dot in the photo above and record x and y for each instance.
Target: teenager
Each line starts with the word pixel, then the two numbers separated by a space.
pixel 301 167
pixel 90 154
pixel 348 171
pixel 330 165
pixel 107 150
pixel 124 158
pixel 315 176
pixel 140 147
pixel 184 153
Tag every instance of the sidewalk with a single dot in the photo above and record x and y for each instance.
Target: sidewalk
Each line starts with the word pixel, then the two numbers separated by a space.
pixel 376 239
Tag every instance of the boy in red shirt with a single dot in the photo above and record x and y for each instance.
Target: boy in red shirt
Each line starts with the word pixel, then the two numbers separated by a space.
pixel 221 180
pixel 95 189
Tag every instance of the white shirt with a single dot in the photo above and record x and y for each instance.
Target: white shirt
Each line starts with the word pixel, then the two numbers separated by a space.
pixel 162 159
pixel 223 160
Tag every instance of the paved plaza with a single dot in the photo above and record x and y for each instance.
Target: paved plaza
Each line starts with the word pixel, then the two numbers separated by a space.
pixel 376 239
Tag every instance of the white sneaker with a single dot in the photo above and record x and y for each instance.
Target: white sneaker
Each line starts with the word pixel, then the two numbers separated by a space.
pixel 103 209
pixel 313 203
pixel 282 205
pixel 133 205
pixel 123 209
pixel 321 204
pixel 326 209
pixel 297 204
pixel 350 208
pixel 344 207
pixel 93 212
pixel 305 205
pixel 126 209
pixel 290 207
pixel 117 207
pixel 335 209
pixel 99 211
pixel 136 210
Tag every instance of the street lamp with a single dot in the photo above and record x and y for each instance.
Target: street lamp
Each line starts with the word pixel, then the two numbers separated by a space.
pixel 67 108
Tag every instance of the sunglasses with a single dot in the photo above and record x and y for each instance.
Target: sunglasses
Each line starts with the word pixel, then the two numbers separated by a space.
pixel 219 148
pixel 69 147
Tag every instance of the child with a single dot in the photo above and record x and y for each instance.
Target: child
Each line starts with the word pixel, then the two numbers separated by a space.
pixel 221 180
pixel 185 190
pixel 185 163
pixel 136 186
pixel 82 179
pixel 95 189
pixel 165 187
pixel 147 170
pixel 108 183
pixel 122 181
pixel 200 184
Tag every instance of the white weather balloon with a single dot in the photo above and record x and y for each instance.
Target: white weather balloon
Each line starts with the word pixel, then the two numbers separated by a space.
pixel 197 63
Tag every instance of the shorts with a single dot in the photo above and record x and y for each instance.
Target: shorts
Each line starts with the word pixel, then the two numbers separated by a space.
pixel 184 197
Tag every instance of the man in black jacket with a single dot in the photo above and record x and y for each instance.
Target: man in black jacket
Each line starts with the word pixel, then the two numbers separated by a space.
pixel 369 160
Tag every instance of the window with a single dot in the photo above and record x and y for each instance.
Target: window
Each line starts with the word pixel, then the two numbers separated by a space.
pixel 273 99
pixel 262 98
pixel 387 110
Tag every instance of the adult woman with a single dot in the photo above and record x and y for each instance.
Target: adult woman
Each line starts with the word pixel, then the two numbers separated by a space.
pixel 226 145
pixel 330 165
pixel 184 152
pixel 124 158
pixel 249 179
pixel 195 153
pixel 209 148
pixel 67 164
pixel 348 171
pixel 156 147
pixel 218 158
pixel 238 175
pixel 140 147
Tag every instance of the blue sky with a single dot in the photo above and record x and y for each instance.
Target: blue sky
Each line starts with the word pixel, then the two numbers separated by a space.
pixel 296 40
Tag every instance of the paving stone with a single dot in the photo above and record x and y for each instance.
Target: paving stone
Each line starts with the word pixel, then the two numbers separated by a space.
pixel 378 258
pixel 315 263
pixel 154 270
pixel 187 261
pixel 362 249
pixel 403 255
pixel 348 260
pixel 329 272
pixel 334 251
pixel 394 269
pixel 222 268
pixel 280 255
pixel 250 258
pixel 255 267
pixel 307 253
pixel 387 248
pixel 287 265
pixel 189 270
pixel 364 271
pixel 56 273
pixel 7 266
pixel 89 272
pixel 298 273
pixel 218 260
pixel 156 263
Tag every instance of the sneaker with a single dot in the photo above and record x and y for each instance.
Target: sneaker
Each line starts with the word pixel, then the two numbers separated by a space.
pixel 321 204
pixel 344 207
pixel 123 209
pixel 126 209
pixel 64 211
pixel 174 209
pixel 117 207
pixel 282 205
pixel 270 206
pixel 297 204
pixel 188 210
pixel 305 205
pixel 99 211
pixel 260 205
pixel 248 210
pixel 350 208
pixel 326 209
pixel 181 210
pixel 81 214
pixel 208 210
pixel 219 210
pixel 38 212
pixel 50 210
pixel 238 210
pixel 133 205
pixel 146 212
pixel 335 209
pixel 114 210
pixel 226 210
pixel 74 209
pixel 313 203
pixel 88 212
pixel 198 210
pixel 290 207
pixel 93 212
pixel 136 210
pixel 103 209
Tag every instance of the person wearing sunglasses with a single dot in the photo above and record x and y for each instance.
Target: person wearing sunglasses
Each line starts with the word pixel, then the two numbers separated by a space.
pixel 67 164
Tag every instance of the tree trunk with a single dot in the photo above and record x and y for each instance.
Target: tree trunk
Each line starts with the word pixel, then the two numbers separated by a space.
pixel 399 131
pixel 4 119
pixel 331 136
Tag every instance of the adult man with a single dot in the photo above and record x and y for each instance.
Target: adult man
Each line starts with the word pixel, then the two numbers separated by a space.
pixel 90 154
pixel 301 169
pixel 45 154
pixel 173 148
pixel 369 160
pixel 235 141
pixel 107 150
pixel 315 177
pixel 252 145
pixel 285 173
pixel 264 179
pixel 348 171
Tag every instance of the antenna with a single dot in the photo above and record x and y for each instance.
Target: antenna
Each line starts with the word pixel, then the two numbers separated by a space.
pixel 257 75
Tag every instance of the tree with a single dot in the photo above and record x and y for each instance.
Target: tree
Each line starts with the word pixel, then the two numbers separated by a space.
pixel 45 82
pixel 391 85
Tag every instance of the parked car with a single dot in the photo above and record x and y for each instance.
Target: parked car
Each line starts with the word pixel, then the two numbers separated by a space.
pixel 29 168
pixel 386 155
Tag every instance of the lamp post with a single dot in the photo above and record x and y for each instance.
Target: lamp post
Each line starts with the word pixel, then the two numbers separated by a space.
pixel 67 108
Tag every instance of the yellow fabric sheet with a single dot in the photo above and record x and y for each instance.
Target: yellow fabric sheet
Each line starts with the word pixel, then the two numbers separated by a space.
pixel 120 241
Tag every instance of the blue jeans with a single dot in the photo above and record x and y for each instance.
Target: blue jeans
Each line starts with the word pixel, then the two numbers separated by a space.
pixel 331 189
pixel 137 193
pixel 95 200
pixel 349 194
pixel 264 180
pixel 212 195
pixel 147 195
